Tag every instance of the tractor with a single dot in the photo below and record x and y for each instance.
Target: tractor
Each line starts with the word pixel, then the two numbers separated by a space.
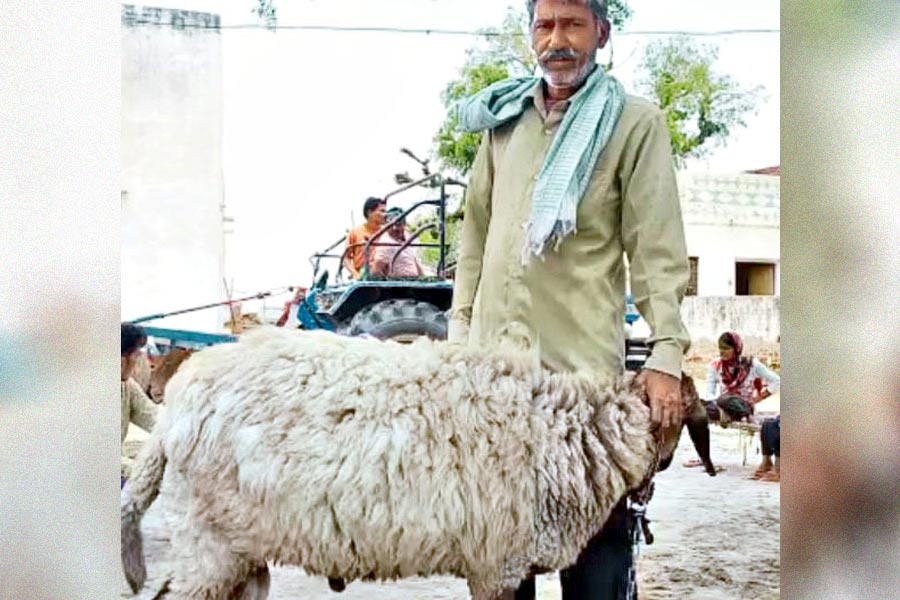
pixel 386 308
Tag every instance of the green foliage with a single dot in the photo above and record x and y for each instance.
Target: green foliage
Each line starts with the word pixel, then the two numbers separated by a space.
pixel 619 13
pixel 430 256
pixel 702 107
pixel 456 148
pixel 266 12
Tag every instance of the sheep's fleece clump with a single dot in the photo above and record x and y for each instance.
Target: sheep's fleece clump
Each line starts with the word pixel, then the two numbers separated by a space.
pixel 357 458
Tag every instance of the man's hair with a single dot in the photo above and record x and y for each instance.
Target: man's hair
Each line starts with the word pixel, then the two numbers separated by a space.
pixel 598 7
pixel 393 213
pixel 371 204
pixel 133 337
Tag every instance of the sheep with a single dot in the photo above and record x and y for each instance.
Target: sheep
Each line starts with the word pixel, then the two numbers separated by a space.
pixel 362 459
pixel 164 367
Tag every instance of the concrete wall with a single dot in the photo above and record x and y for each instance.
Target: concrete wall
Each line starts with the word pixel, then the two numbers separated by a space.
pixel 172 180
pixel 720 247
pixel 707 317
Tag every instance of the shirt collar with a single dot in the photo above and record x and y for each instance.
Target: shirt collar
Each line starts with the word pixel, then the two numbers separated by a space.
pixel 540 102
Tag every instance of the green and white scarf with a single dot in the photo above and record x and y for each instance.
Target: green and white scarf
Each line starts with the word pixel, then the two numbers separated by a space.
pixel 585 130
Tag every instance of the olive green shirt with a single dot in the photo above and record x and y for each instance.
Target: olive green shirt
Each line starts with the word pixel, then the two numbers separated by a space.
pixel 570 306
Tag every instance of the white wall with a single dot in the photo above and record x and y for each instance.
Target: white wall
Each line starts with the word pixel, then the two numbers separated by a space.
pixel 172 231
pixel 728 219
pixel 707 317
pixel 719 247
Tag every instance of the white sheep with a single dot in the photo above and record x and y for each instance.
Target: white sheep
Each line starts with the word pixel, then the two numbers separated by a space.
pixel 357 458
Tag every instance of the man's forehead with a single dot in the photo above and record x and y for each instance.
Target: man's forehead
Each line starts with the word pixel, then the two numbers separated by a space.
pixel 549 8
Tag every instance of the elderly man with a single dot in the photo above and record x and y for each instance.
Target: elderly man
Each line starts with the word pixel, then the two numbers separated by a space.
pixel 571 174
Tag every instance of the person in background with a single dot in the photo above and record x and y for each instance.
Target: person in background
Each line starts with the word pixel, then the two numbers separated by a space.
pixel 136 406
pixel 373 211
pixel 391 261
pixel 770 440
pixel 736 383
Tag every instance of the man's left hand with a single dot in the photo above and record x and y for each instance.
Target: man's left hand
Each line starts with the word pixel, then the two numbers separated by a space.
pixel 663 392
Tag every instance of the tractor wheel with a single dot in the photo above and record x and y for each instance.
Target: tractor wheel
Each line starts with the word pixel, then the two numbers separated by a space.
pixel 400 320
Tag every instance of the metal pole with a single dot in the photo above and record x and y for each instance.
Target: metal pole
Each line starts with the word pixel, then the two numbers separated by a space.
pixel 442 215
pixel 259 296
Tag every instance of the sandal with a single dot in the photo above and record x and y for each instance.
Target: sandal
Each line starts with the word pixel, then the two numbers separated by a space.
pixel 693 463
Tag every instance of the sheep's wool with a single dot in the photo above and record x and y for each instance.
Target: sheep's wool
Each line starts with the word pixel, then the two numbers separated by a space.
pixel 357 458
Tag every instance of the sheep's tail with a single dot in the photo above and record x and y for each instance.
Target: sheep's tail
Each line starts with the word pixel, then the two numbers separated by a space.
pixel 139 493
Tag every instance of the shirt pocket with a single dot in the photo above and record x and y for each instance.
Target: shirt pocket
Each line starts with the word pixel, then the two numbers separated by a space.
pixel 600 209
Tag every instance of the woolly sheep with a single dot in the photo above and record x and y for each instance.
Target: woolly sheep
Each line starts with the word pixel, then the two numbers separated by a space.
pixel 358 458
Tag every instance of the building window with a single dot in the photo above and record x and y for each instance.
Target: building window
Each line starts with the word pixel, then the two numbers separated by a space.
pixel 692 283
pixel 754 279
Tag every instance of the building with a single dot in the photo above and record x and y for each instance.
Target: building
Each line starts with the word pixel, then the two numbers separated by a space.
pixel 172 176
pixel 732 229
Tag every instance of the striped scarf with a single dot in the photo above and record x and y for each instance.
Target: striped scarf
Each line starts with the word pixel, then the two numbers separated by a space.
pixel 562 181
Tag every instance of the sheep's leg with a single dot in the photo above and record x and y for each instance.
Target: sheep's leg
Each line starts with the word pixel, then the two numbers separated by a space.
pixel 336 584
pixel 504 595
pixel 207 569
pixel 482 592
pixel 699 432
pixel 256 587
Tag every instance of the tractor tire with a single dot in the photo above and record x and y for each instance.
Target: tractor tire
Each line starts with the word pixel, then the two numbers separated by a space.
pixel 400 320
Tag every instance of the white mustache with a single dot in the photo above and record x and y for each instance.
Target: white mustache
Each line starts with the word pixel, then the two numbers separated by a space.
pixel 558 54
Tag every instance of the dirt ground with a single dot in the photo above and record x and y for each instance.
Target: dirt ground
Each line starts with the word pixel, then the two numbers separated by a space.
pixel 715 537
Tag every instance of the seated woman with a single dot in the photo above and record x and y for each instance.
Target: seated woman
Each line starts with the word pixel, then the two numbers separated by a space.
pixel 736 383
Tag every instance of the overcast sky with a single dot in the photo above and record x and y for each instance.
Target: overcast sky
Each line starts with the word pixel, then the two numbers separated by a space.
pixel 314 119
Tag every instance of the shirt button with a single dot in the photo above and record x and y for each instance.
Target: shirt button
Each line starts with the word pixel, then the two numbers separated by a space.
pixel 536 177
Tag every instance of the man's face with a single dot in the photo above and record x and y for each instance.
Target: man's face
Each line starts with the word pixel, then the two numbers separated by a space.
pixel 128 363
pixel 376 217
pixel 565 37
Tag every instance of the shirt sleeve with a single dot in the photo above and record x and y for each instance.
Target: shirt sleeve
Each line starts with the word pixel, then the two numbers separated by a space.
pixel 142 411
pixel 773 381
pixel 472 238
pixel 653 236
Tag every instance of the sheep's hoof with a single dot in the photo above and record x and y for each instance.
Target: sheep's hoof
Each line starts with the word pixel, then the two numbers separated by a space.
pixel 336 584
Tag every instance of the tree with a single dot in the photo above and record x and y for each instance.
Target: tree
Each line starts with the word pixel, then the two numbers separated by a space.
pixel 266 11
pixel 702 107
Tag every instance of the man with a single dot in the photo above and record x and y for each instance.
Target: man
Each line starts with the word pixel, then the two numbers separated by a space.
pixel 136 406
pixel 373 211
pixel 406 264
pixel 572 172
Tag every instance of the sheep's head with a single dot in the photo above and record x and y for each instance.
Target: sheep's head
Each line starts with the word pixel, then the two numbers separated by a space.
pixel 163 368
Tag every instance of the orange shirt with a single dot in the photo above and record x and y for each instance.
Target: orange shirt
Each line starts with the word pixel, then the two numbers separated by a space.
pixel 360 235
